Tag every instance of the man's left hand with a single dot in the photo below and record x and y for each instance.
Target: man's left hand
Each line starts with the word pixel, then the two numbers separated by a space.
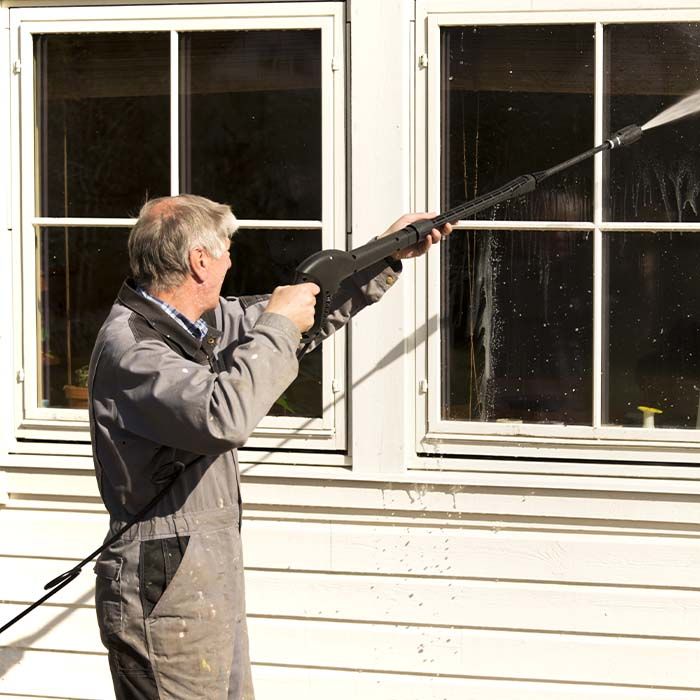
pixel 423 246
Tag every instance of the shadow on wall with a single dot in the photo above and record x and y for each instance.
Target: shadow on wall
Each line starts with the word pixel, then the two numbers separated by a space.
pixel 420 335
pixel 10 656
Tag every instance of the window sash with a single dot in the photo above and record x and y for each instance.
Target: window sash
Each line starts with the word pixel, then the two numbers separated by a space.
pixel 433 434
pixel 36 422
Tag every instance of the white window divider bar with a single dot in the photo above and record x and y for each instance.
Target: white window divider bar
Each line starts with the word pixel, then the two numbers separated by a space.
pixel 174 113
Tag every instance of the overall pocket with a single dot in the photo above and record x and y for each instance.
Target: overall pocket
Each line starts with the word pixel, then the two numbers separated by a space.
pixel 159 561
pixel 108 595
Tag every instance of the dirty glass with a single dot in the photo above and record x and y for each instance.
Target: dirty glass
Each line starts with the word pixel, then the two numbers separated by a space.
pixel 649 68
pixel 260 261
pixel 103 141
pixel 517 99
pixel 517 326
pixel 652 356
pixel 250 116
pixel 79 274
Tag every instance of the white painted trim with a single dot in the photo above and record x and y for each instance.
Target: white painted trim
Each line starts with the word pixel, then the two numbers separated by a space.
pixel 555 226
pixel 320 485
pixel 174 113
pixel 71 222
pixel 451 12
pixel 94 222
pixel 279 224
pixel 381 191
pixel 7 188
pixel 201 14
pixel 597 262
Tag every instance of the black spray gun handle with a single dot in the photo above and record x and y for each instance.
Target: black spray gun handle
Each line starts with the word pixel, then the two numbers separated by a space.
pixel 328 268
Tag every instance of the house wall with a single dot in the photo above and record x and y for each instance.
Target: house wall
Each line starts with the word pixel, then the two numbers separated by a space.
pixel 402 591
pixel 378 583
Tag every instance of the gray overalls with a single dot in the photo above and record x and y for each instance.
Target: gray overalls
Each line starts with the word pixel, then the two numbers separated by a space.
pixel 167 408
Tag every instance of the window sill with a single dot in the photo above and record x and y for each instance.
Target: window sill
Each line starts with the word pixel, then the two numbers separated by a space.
pixel 474 474
pixel 499 478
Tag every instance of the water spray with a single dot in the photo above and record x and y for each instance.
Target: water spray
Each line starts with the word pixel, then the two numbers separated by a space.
pixel 686 107
pixel 328 268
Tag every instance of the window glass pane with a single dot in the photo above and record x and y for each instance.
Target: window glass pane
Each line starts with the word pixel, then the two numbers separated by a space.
pixel 518 99
pixel 260 261
pixel 251 121
pixel 654 320
pixel 649 68
pixel 517 326
pixel 80 272
pixel 104 124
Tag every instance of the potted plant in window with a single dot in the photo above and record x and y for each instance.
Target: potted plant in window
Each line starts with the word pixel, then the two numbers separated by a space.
pixel 77 393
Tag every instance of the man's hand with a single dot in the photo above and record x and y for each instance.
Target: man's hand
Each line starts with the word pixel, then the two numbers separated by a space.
pixel 421 248
pixel 297 302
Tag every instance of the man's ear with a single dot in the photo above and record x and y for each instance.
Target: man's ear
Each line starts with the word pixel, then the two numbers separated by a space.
pixel 199 264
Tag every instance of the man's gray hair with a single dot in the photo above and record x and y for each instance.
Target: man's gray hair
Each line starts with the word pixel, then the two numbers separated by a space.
pixel 168 228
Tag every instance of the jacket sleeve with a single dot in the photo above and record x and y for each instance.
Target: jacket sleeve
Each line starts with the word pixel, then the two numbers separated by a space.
pixel 356 292
pixel 171 400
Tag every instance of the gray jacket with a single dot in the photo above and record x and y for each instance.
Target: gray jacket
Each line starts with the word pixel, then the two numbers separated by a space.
pixel 162 402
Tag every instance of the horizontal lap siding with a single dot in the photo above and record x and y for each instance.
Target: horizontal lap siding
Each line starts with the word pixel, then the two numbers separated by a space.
pixel 363 603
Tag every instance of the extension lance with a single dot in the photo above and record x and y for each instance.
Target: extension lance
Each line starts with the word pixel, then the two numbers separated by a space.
pixel 328 268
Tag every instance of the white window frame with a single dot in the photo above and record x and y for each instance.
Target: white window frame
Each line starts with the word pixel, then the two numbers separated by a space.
pixel 435 436
pixel 34 422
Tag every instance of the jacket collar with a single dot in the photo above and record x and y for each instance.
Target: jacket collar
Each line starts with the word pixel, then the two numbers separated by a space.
pixel 167 326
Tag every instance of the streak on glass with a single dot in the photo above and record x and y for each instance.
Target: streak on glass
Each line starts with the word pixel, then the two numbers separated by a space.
pixel 653 307
pixel 517 326
pixel 80 271
pixel 517 99
pixel 250 113
pixel 649 68
pixel 103 122
pixel 260 261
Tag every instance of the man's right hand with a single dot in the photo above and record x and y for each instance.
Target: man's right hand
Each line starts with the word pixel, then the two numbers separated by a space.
pixel 297 302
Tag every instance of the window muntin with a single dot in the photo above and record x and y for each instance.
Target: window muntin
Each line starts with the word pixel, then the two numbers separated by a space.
pixel 438 430
pixel 314 415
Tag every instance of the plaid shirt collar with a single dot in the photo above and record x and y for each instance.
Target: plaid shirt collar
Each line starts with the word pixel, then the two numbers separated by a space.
pixel 198 329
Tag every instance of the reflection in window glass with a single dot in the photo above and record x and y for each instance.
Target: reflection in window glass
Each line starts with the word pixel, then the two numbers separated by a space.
pixel 517 328
pixel 103 111
pixel 80 272
pixel 261 261
pixel 654 321
pixel 518 99
pixel 649 68
pixel 251 121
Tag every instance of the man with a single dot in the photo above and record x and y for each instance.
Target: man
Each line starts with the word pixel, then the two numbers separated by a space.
pixel 179 378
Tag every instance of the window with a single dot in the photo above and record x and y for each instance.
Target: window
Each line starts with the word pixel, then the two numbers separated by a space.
pixel 568 318
pixel 242 104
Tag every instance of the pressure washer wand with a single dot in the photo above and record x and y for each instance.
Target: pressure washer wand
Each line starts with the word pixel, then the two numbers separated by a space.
pixel 328 268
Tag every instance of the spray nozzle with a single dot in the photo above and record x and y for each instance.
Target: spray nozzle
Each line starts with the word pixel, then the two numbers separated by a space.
pixel 625 136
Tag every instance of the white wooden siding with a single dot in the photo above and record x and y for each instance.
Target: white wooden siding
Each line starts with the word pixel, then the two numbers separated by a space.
pixel 362 601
